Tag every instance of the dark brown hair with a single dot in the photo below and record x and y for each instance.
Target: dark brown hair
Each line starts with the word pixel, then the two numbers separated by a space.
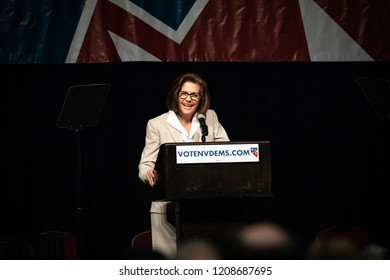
pixel 173 92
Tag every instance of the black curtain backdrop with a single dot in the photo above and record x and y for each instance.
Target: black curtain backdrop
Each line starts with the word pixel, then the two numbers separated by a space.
pixel 329 150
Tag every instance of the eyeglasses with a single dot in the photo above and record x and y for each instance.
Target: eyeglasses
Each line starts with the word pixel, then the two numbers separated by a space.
pixel 193 95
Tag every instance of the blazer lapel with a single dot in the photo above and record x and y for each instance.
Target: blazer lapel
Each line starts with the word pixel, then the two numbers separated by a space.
pixel 174 133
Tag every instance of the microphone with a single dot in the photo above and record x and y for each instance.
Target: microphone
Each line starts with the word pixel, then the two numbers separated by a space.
pixel 203 126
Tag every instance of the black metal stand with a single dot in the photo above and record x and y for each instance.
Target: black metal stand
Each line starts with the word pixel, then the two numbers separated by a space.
pixel 82 108
pixel 79 190
pixel 76 132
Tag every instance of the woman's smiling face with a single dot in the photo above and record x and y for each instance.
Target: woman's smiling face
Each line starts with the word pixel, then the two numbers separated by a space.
pixel 188 105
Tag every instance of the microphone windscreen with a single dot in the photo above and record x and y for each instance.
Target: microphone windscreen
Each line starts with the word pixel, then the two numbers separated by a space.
pixel 200 116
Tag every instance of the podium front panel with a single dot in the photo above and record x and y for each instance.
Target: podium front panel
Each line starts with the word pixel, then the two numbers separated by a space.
pixel 218 179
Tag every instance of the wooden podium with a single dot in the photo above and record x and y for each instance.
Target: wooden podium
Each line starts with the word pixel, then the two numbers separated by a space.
pixel 208 188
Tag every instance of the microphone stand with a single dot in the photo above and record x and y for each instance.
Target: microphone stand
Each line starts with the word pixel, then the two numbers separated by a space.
pixel 205 131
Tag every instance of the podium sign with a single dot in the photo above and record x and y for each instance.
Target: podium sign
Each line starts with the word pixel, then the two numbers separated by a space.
pixel 217 153
pixel 214 170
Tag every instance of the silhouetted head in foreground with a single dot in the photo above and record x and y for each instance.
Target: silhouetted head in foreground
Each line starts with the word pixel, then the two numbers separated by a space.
pixel 263 240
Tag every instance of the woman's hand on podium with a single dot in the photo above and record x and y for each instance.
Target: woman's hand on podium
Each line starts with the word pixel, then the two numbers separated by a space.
pixel 151 177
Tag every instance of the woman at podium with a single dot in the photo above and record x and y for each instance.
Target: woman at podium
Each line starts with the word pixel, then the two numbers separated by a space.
pixel 188 119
